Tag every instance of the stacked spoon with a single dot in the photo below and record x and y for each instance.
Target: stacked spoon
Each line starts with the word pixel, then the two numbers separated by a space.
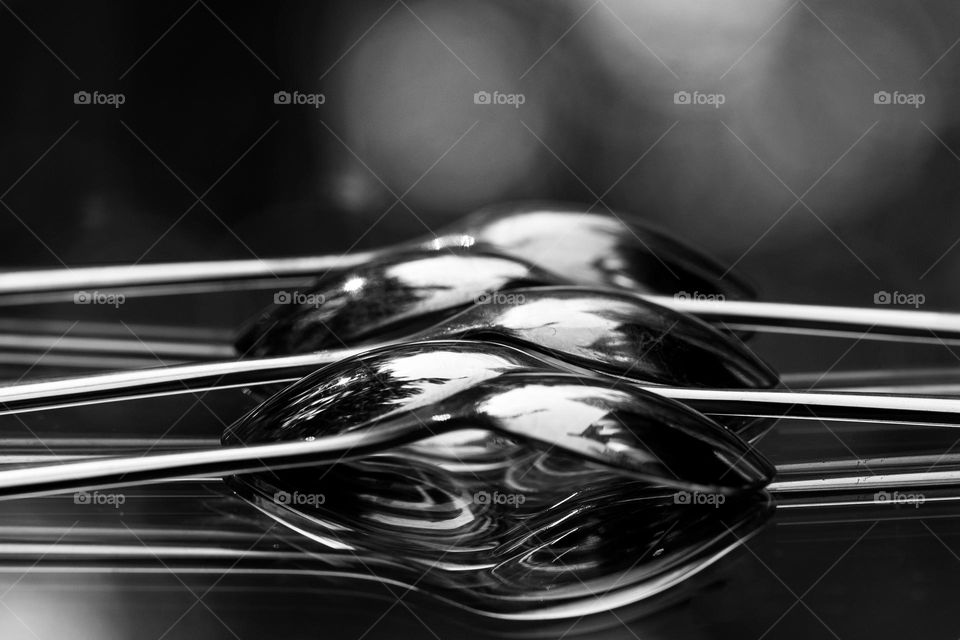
pixel 489 374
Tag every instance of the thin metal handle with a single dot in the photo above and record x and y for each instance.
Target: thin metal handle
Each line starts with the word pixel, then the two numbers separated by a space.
pixel 900 325
pixel 34 396
pixel 127 470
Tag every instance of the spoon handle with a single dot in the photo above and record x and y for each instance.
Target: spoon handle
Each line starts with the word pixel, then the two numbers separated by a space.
pixel 202 463
pixel 127 470
pixel 866 483
pixel 841 406
pixel 80 390
pixel 172 273
pixel 900 325
pixel 188 378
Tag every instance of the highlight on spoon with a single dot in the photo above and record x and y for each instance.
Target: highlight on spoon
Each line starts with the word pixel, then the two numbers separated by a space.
pixel 601 249
pixel 614 332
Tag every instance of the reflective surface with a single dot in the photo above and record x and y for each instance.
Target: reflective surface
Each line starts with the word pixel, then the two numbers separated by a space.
pixel 598 329
pixel 519 526
pixel 391 294
pixel 613 332
pixel 602 249
pixel 626 428
pixel 602 330
pixel 537 536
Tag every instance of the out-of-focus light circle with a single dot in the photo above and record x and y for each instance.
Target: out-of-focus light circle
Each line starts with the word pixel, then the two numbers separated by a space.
pixel 410 108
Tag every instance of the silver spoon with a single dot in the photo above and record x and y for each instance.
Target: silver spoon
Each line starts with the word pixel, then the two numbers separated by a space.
pixel 610 331
pixel 607 331
pixel 400 291
pixel 397 291
pixel 607 251
pixel 418 374
pixel 415 415
pixel 645 435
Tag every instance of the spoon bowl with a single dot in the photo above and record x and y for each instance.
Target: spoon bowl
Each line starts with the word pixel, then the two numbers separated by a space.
pixel 603 330
pixel 651 437
pixel 400 293
pixel 601 249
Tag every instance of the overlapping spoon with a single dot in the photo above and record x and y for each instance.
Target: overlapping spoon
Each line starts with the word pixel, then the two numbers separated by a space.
pixel 607 331
pixel 420 506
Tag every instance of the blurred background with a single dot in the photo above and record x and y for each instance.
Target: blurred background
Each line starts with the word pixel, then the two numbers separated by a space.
pixel 813 147
pixel 798 178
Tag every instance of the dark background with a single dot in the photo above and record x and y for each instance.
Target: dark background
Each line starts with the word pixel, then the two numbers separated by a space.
pixel 199 163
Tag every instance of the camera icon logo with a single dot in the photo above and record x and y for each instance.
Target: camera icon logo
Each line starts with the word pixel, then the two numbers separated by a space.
pixel 282 97
pixel 81 97
pixel 282 297
pixel 882 297
pixel 681 295
pixel 681 497
pixel 681 97
pixel 81 497
pixel 82 297
pixel 281 497
pixel 882 496
pixel 482 97
pixel 881 97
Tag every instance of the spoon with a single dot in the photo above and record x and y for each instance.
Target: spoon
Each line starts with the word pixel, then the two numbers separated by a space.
pixel 400 291
pixel 409 418
pixel 607 251
pixel 397 294
pixel 609 331
pixel 641 433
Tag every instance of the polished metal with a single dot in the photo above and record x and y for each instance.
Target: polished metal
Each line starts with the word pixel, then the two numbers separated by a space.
pixel 639 433
pixel 393 295
pixel 858 323
pixel 606 251
pixel 606 331
pixel 542 538
pixel 601 249
pixel 602 330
